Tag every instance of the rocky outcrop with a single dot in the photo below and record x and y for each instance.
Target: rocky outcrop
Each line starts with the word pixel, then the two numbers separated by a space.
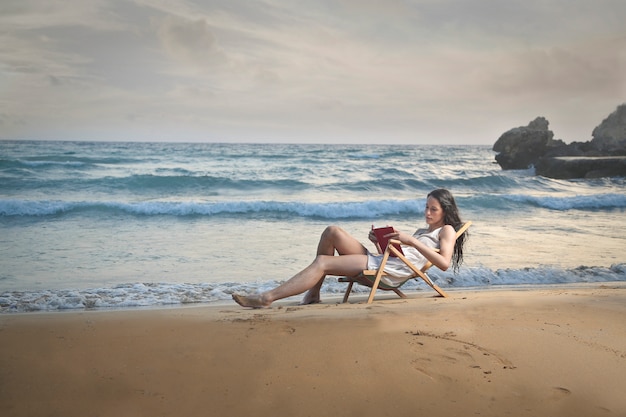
pixel 533 145
pixel 610 135
pixel 522 146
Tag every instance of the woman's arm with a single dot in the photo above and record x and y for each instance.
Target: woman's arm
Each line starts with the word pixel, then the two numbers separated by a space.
pixel 442 258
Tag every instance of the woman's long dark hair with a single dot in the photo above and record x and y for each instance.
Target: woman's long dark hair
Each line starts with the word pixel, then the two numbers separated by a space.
pixel 451 217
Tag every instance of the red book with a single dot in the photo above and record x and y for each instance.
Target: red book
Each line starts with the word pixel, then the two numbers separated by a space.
pixel 383 241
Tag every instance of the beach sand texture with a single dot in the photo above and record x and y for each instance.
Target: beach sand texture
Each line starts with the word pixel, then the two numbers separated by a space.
pixel 553 351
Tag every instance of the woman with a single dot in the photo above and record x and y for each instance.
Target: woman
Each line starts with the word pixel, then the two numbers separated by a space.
pixel 442 217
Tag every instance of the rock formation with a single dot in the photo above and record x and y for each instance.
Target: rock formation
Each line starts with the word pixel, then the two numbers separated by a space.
pixel 533 145
pixel 522 146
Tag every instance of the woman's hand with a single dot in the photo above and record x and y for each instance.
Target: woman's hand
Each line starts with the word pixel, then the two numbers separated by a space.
pixel 372 236
pixel 404 238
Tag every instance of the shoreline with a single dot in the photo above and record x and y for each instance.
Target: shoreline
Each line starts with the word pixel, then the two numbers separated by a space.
pixel 553 350
pixel 327 298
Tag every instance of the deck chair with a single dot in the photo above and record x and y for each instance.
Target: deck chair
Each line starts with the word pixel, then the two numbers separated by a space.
pixel 380 272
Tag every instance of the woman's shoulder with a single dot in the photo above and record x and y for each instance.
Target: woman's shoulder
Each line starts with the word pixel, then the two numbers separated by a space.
pixel 447 230
pixel 436 232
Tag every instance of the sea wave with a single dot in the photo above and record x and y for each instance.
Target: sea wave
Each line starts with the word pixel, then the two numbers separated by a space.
pixel 181 181
pixel 65 160
pixel 579 202
pixel 337 210
pixel 148 184
pixel 327 210
pixel 133 295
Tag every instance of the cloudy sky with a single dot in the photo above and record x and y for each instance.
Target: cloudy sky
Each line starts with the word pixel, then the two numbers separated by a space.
pixel 338 71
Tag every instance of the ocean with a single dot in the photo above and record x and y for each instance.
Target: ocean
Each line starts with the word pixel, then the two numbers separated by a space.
pixel 92 225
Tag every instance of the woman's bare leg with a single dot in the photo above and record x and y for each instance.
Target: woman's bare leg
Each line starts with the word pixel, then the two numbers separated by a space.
pixel 307 279
pixel 353 260
pixel 333 239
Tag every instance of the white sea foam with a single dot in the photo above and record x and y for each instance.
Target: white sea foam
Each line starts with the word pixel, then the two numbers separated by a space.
pixel 171 294
pixel 328 210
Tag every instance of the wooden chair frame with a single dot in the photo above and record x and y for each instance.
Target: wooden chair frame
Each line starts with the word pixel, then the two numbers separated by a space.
pixel 380 272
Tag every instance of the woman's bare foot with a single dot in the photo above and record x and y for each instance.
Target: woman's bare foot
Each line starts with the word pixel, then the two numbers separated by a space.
pixel 254 301
pixel 311 299
pixel 307 302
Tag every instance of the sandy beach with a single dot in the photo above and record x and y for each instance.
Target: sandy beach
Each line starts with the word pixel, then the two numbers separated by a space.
pixel 548 351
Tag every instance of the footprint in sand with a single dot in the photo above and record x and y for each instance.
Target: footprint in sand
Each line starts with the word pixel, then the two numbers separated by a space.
pixel 446 355
pixel 558 393
pixel 288 329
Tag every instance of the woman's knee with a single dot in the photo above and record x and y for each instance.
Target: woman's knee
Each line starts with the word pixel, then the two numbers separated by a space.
pixel 334 238
pixel 332 232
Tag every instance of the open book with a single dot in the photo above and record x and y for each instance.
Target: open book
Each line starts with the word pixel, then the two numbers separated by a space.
pixel 383 241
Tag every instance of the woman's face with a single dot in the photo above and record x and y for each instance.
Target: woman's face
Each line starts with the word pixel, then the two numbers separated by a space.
pixel 433 213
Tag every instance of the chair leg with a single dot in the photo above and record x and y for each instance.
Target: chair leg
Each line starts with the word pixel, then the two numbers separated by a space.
pixel 439 290
pixel 347 293
pixel 400 293
pixel 430 282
